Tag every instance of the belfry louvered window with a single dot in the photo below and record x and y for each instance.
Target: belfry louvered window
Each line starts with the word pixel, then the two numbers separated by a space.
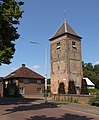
pixel 73 44
pixel 58 45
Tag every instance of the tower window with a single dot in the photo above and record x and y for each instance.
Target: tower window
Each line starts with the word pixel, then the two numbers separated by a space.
pixel 74 44
pixel 58 55
pixel 58 67
pixel 58 45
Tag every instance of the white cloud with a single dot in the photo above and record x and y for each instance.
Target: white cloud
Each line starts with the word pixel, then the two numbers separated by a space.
pixel 97 62
pixel 36 66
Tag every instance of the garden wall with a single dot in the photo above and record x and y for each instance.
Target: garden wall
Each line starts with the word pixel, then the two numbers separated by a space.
pixel 83 99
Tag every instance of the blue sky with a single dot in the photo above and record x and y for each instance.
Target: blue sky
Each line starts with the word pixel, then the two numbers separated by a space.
pixel 40 21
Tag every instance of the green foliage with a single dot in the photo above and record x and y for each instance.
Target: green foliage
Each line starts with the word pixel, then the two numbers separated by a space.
pixel 97 83
pixel 91 72
pixel 84 89
pixel 75 100
pixel 71 99
pixel 71 88
pixel 48 81
pixel 93 91
pixel 96 69
pixel 61 89
pixel 48 90
pixel 10 14
pixel 95 100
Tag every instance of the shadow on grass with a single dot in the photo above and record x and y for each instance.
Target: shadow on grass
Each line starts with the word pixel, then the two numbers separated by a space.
pixel 63 117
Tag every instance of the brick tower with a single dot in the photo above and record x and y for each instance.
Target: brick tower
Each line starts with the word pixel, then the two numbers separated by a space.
pixel 65 59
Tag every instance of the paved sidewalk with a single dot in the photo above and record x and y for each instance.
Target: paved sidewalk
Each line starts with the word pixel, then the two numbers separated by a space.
pixel 79 107
pixel 82 107
pixel 76 106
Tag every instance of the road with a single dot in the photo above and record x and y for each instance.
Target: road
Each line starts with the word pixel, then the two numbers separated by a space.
pixel 35 109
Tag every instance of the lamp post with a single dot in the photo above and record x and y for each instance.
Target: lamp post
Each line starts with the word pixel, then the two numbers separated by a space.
pixel 34 42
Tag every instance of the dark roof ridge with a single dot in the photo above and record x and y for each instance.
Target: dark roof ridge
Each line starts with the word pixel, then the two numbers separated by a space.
pixel 65 28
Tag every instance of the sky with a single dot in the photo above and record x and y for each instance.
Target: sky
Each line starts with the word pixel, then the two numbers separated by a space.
pixel 40 21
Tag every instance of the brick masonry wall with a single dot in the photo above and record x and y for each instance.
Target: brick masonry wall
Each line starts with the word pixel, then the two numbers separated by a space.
pixel 66 62
pixel 83 99
pixel 31 88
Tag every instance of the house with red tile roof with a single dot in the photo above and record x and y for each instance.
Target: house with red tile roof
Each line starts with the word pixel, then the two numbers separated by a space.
pixel 23 82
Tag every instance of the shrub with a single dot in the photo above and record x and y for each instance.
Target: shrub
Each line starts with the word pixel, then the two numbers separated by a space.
pixel 95 101
pixel 61 89
pixel 71 88
pixel 71 99
pixel 93 91
pixel 75 100
pixel 84 89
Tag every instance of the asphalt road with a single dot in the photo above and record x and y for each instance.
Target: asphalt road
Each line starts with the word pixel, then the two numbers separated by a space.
pixel 35 109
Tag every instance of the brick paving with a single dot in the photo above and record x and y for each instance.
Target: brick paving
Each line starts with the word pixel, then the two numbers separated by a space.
pixel 76 106
pixel 36 109
pixel 82 107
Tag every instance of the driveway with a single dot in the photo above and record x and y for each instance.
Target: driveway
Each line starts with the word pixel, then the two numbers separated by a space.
pixel 36 109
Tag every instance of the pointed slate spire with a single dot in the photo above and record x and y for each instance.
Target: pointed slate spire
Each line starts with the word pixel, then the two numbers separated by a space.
pixel 65 28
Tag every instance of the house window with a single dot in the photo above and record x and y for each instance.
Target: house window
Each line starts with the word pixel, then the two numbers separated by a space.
pixel 14 80
pixel 25 81
pixel 21 90
pixel 73 44
pixel 39 90
pixel 58 45
pixel 38 81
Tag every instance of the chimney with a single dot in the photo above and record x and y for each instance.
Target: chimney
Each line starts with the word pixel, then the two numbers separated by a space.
pixel 23 65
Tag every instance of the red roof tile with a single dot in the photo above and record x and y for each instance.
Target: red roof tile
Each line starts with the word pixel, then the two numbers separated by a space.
pixel 24 72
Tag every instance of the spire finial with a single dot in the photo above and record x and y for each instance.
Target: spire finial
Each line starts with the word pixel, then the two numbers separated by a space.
pixel 65 20
pixel 65 15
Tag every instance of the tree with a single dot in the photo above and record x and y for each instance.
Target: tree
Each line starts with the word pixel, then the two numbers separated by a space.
pixel 61 89
pixel 89 66
pixel 71 88
pixel 96 69
pixel 92 72
pixel 10 14
pixel 84 89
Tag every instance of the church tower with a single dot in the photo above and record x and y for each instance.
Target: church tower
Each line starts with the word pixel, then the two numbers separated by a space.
pixel 65 59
